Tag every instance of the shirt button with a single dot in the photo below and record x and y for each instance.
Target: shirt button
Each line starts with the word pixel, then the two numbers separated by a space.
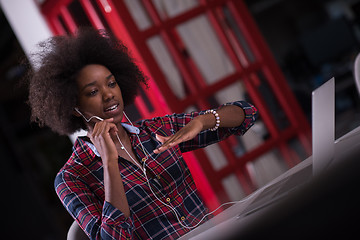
pixel 158 177
pixel 182 218
pixel 168 199
pixel 143 159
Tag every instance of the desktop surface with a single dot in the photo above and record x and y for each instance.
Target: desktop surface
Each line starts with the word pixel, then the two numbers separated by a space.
pixel 236 217
pixel 324 207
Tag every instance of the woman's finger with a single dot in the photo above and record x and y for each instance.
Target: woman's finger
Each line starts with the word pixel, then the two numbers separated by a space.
pixel 186 133
pixel 162 139
pixel 102 139
pixel 169 142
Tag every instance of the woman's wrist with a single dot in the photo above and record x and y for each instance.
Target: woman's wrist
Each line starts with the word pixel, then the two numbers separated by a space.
pixel 207 121
pixel 110 162
pixel 217 119
pixel 226 116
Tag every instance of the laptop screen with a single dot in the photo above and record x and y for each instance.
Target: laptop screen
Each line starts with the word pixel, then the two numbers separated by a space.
pixel 323 126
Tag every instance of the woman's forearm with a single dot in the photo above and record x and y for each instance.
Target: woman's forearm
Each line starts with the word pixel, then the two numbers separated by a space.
pixel 114 188
pixel 230 116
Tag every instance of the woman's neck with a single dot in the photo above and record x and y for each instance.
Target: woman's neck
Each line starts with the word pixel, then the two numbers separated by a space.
pixel 122 133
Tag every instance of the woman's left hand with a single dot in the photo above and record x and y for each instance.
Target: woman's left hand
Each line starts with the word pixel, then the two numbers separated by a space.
pixel 188 132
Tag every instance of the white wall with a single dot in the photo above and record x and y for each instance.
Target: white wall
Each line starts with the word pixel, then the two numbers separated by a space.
pixel 26 21
pixel 29 27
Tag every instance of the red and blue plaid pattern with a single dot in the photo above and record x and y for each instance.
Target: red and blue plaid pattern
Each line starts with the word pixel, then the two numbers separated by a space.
pixel 80 184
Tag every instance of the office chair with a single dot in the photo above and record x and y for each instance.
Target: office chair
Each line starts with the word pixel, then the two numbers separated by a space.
pixel 357 72
pixel 76 233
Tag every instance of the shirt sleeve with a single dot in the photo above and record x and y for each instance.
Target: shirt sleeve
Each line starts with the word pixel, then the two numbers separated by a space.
pixel 251 114
pixel 207 137
pixel 97 219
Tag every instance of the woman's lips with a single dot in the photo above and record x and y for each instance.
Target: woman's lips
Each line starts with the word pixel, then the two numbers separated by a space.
pixel 112 108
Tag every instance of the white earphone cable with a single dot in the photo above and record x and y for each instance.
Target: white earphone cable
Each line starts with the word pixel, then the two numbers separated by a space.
pixel 172 208
pixel 143 168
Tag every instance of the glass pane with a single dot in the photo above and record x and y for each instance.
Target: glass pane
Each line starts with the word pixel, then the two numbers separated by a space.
pixel 191 109
pixel 244 51
pixel 138 13
pixel 78 14
pixel 171 8
pixel 255 136
pixel 216 156
pixel 62 23
pixel 231 93
pixel 166 64
pixel 146 100
pixel 99 14
pixel 132 112
pixel 298 148
pixel 233 188
pixel 271 100
pixel 205 49
pixel 266 168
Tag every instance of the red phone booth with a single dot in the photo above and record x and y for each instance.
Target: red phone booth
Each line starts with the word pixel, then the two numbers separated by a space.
pixel 199 54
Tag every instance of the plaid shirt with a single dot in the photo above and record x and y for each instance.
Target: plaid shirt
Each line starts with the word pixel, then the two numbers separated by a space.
pixel 80 183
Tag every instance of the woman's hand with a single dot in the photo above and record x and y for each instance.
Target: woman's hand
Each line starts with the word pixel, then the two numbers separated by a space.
pixel 188 132
pixel 101 137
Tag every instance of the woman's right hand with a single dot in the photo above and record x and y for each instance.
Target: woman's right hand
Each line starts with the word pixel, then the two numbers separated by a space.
pixel 101 136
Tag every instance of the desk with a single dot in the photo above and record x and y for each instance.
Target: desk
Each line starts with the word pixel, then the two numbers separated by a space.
pixel 324 208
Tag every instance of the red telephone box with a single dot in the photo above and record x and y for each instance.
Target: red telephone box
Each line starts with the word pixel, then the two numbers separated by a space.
pixel 199 54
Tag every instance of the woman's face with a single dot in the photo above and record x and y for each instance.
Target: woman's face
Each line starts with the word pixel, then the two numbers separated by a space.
pixel 99 93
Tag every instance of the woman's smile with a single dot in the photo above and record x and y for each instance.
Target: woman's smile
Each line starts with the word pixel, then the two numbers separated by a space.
pixel 99 92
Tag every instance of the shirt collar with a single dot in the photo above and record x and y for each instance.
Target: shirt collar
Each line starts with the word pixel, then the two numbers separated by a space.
pixel 131 128
pixel 128 127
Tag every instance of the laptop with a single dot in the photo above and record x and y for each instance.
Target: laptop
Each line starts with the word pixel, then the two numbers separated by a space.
pixel 323 126
pixel 323 135
pixel 323 140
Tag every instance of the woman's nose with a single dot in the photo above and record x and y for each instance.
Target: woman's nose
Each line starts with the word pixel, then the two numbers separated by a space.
pixel 108 95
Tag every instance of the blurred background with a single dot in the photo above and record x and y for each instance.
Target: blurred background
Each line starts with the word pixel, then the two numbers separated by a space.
pixel 198 54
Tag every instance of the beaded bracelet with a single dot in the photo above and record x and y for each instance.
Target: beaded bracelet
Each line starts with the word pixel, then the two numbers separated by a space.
pixel 217 119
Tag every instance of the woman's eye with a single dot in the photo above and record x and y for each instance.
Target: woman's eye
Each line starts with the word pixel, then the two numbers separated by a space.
pixel 112 84
pixel 92 93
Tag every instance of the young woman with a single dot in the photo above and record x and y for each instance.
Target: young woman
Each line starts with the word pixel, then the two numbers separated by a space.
pixel 123 180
